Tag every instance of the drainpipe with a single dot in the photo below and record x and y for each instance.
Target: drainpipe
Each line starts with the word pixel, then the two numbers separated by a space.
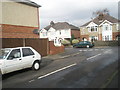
pixel 23 42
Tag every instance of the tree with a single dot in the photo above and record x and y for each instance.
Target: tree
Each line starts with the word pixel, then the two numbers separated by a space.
pixel 72 37
pixel 101 12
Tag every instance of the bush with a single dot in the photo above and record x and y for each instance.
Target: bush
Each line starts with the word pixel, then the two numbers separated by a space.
pixel 74 41
pixel 65 42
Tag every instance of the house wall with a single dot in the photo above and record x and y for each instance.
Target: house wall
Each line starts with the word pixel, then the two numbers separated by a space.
pixel 84 36
pixel 14 13
pixel 85 33
pixel 114 28
pixel 76 33
pixel 19 20
pixel 14 31
pixel 115 35
pixel 52 33
pixel 0 12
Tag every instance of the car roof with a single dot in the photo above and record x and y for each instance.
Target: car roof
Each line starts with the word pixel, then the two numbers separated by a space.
pixel 16 47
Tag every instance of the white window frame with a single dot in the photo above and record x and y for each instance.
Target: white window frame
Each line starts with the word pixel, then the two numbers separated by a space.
pixel 95 29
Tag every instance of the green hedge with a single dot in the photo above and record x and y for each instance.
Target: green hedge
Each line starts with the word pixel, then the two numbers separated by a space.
pixel 107 43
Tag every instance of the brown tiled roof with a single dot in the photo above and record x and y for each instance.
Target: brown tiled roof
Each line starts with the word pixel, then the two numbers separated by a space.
pixel 105 17
pixel 62 25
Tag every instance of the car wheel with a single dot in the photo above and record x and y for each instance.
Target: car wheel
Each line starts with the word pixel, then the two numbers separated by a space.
pixel 88 46
pixel 36 66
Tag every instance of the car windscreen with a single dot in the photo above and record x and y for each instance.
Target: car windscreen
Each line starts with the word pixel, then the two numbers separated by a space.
pixel 4 53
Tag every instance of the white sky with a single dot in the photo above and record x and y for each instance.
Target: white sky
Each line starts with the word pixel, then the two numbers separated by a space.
pixel 76 12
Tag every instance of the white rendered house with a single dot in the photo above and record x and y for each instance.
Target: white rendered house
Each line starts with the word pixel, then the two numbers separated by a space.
pixel 59 31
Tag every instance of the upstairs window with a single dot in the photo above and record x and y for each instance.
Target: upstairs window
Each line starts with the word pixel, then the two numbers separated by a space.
pixel 107 27
pixel 117 26
pixel 44 34
pixel 93 29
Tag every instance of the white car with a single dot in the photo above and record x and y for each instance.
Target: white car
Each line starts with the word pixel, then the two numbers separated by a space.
pixel 13 59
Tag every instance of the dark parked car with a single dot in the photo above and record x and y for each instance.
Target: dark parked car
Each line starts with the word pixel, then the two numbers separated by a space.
pixel 84 44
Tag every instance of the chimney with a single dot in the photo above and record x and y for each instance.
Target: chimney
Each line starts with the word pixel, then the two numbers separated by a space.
pixel 51 23
pixel 101 16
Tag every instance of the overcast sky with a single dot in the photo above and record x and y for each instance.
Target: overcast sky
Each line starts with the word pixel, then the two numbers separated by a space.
pixel 76 12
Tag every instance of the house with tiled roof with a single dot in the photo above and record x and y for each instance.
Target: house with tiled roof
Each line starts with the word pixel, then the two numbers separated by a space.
pixel 19 19
pixel 103 28
pixel 60 31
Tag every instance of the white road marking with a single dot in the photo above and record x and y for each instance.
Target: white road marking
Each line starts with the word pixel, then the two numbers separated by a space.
pixel 84 50
pixel 80 50
pixel 57 71
pixel 108 51
pixel 96 49
pixel 90 50
pixel 93 56
pixel 31 81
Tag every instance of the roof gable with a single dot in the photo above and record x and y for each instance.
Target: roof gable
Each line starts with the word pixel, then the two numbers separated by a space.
pixel 105 21
pixel 99 20
pixel 91 24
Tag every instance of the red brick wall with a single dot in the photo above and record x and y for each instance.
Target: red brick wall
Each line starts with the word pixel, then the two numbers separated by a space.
pixel 55 50
pixel 76 33
pixel 100 37
pixel 14 31
pixel 84 36
pixel 115 34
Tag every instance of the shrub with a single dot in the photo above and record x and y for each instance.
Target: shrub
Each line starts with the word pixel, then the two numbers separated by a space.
pixel 74 41
pixel 65 42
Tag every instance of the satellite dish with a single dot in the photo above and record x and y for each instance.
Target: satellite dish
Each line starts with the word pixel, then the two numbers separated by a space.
pixel 35 31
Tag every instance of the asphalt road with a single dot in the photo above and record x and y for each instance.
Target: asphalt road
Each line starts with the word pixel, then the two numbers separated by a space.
pixel 90 68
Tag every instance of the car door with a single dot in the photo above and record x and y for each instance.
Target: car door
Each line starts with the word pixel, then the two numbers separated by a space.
pixel 85 44
pixel 12 63
pixel 81 44
pixel 28 57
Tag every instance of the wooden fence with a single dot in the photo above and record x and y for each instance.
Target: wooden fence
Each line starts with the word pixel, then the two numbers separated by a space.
pixel 40 45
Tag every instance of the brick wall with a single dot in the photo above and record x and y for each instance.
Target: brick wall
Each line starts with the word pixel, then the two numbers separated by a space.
pixel 55 50
pixel 107 43
pixel 14 31
pixel 76 33
pixel 115 35
pixel 84 36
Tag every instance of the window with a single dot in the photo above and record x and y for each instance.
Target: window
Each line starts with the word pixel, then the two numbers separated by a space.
pixel 117 26
pixel 27 52
pixel 14 54
pixel 110 37
pixel 93 29
pixel 44 33
pixel 106 27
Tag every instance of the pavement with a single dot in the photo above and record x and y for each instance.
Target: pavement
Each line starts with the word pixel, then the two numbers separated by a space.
pixel 65 54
